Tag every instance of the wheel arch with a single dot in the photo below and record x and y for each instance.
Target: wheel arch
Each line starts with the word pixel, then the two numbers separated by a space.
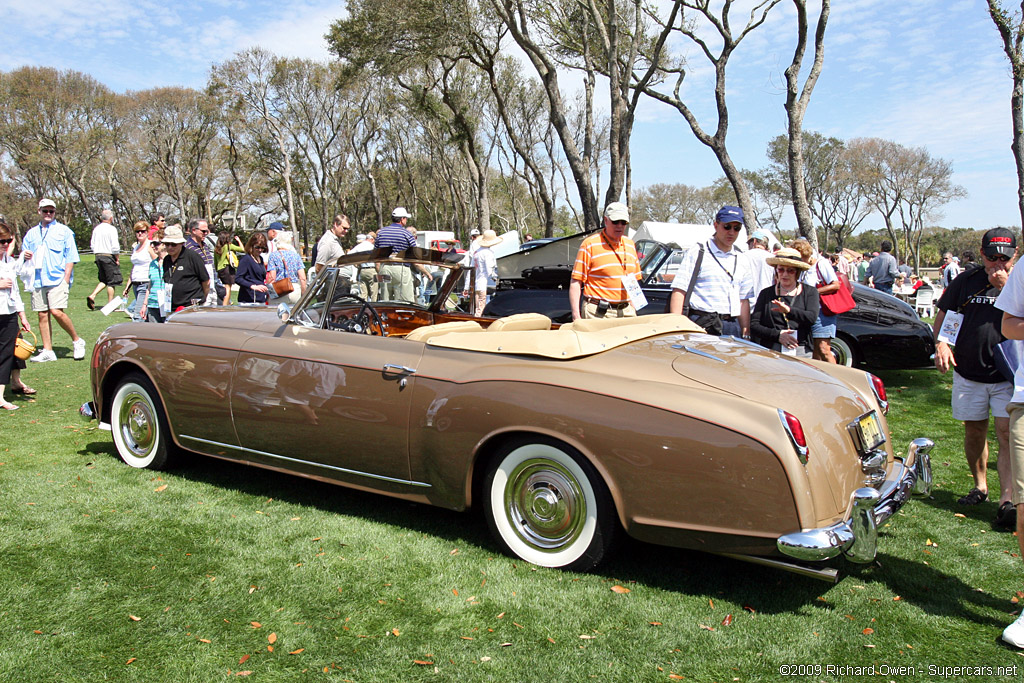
pixel 489 447
pixel 112 378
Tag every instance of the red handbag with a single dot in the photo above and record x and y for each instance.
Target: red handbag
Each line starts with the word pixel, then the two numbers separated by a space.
pixel 841 300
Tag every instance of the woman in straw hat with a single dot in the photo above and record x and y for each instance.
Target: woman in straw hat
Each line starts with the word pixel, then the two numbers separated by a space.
pixel 485 268
pixel 784 313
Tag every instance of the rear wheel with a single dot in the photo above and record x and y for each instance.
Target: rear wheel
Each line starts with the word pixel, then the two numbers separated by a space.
pixel 844 351
pixel 547 505
pixel 138 424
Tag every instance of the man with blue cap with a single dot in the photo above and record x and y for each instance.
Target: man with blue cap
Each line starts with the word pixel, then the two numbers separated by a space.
pixel 714 285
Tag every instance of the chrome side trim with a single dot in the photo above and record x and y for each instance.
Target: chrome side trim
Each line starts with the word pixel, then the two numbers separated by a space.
pixel 342 470
pixel 828 574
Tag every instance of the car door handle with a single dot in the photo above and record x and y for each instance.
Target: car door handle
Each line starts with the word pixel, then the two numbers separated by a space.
pixel 392 371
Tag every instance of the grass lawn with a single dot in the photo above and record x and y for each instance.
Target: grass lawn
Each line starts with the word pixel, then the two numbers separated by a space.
pixel 216 571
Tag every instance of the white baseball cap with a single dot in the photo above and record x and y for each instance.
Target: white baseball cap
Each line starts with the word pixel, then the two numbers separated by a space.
pixel 400 212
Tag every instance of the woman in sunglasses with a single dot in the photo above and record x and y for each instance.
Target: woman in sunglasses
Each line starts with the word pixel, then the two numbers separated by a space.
pixel 12 320
pixel 143 254
pixel 784 313
pixel 251 277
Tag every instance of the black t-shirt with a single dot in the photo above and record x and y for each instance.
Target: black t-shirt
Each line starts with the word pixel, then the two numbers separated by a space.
pixel 973 295
pixel 186 276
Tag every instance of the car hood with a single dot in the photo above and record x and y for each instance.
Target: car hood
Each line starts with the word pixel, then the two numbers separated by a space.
pixel 248 318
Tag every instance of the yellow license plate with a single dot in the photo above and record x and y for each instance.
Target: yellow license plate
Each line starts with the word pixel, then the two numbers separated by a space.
pixel 870 431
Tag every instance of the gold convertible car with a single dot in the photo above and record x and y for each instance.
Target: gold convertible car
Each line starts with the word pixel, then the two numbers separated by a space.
pixel 566 436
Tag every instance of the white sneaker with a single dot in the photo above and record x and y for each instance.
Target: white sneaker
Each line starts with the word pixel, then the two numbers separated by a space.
pixel 79 347
pixel 1014 633
pixel 43 356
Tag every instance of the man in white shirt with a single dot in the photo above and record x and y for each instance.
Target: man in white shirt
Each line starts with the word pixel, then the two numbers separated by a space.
pixel 760 271
pixel 720 300
pixel 107 248
pixel 368 285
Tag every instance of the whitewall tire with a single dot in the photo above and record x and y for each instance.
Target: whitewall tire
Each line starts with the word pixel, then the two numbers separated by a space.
pixel 138 424
pixel 547 505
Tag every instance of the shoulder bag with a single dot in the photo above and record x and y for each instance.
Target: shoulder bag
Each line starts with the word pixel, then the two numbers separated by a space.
pixel 283 286
pixel 839 301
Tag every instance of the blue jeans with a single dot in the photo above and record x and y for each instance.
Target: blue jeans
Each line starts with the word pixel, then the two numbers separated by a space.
pixel 884 287
pixel 141 290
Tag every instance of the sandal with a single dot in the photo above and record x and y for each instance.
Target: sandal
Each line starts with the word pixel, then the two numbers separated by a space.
pixel 973 497
pixel 91 303
pixel 8 406
pixel 24 390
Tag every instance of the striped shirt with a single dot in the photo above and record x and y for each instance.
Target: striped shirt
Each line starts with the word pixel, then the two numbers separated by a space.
pixel 600 265
pixel 720 272
pixel 396 237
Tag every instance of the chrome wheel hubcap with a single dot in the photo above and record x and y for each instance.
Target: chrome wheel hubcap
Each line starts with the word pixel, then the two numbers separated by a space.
pixel 137 422
pixel 545 505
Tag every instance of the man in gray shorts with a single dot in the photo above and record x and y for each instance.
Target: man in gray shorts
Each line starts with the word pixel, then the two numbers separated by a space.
pixel 50 247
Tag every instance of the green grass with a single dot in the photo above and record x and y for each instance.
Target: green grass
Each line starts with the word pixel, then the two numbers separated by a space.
pixel 110 573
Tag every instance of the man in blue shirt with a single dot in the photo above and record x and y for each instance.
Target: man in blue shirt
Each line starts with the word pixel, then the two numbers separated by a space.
pixel 396 280
pixel 50 246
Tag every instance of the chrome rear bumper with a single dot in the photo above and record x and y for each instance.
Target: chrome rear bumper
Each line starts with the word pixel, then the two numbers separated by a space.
pixel 857 536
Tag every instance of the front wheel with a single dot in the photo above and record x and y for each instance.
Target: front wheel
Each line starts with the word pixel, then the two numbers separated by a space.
pixel 547 505
pixel 138 424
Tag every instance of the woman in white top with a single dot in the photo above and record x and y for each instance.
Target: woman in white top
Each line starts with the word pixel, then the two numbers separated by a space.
pixel 485 268
pixel 142 255
pixel 12 318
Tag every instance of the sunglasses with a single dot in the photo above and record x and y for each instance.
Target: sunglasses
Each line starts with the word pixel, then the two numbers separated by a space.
pixel 47 211
pixel 735 227
pixel 6 241
pixel 1001 258
pixel 785 269
pixel 156 242
pixel 620 222
pixel 137 232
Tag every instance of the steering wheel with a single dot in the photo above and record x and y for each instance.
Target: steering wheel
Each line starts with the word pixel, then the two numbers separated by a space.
pixel 365 318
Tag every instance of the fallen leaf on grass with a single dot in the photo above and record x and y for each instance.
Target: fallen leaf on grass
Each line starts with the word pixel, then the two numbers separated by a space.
pixel 586 637
pixel 244 659
pixel 750 609
pixel 960 514
pixel 868 631
pixel 485 659
pixel 394 631
pixel 272 638
pixel 654 623
pixel 130 660
pixel 295 652
pixel 500 616
pixel 203 640
pixel 158 489
pixel 466 637
pixel 455 592
pixel 727 621
pixel 505 645
pixel 455 551
pixel 897 598
pixel 255 624
pixel 620 589
pixel 676 677
pixel 244 673
pixel 134 618
pixel 422 662
pixel 1015 599
pixel 712 603
pixel 551 640
pixel 706 628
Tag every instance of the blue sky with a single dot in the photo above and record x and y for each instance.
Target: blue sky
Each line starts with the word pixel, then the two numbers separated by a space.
pixel 927 73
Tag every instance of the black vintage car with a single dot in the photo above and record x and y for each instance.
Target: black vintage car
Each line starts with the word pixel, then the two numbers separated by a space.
pixel 881 332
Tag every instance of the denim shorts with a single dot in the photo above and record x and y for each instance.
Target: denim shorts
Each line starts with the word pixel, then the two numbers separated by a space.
pixel 824 327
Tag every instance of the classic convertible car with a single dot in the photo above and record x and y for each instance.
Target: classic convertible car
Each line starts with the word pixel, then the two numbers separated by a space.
pixel 881 332
pixel 566 436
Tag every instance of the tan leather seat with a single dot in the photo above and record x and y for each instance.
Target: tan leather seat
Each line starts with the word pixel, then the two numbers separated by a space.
pixel 520 322
pixel 422 334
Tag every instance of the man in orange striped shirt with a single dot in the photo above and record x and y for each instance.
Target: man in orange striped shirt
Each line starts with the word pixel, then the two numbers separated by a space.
pixel 604 259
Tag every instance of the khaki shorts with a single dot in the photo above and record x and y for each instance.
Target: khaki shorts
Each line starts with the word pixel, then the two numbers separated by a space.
pixel 50 298
pixel 1016 411
pixel 972 400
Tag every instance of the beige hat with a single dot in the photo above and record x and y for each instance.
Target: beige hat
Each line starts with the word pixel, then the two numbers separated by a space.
pixel 47 202
pixel 616 211
pixel 489 238
pixel 787 257
pixel 283 239
pixel 173 235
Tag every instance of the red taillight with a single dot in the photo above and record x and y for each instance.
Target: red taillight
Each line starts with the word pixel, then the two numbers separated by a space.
pixel 878 386
pixel 795 430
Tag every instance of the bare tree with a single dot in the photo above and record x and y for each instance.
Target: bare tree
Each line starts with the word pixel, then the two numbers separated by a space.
pixel 796 106
pixel 720 23
pixel 1010 24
